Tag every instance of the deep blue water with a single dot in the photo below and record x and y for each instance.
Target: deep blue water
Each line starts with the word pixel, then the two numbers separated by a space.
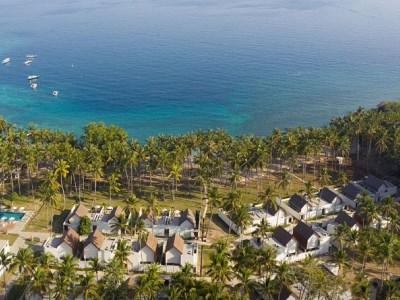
pixel 172 66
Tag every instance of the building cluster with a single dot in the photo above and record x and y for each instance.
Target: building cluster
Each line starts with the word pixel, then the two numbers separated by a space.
pixel 305 224
pixel 170 239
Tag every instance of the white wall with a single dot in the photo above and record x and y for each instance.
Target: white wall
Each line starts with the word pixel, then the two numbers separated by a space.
pixel 173 256
pixel 313 242
pixel 90 251
pixel 186 229
pixel 147 255
pixel 74 221
pixel 291 247
pixel 64 249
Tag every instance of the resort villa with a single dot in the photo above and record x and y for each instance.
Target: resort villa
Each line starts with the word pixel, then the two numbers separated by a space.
pixel 170 223
pixel 102 218
pixel 68 243
pixel 273 216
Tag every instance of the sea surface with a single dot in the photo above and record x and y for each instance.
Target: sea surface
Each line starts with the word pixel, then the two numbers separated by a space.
pixel 173 66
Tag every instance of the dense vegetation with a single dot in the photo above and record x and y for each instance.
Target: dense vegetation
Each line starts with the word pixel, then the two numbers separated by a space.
pixel 54 165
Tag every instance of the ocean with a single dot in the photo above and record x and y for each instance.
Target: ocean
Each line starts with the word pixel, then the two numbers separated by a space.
pixel 174 66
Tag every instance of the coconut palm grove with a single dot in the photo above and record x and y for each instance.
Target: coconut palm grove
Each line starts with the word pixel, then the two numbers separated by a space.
pixel 48 171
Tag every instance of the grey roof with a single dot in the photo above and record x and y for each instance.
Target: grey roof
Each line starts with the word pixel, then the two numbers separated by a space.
pixel 374 183
pixel 297 202
pixel 327 194
pixel 351 190
pixel 344 218
pixel 187 215
pixel 302 232
pixel 282 235
pixel 271 209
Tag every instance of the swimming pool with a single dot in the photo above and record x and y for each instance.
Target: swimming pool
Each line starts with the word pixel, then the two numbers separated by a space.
pixel 8 215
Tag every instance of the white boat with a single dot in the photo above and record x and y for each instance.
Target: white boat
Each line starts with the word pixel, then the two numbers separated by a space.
pixel 33 77
pixel 6 60
pixel 31 56
pixel 28 62
pixel 34 86
pixel 55 93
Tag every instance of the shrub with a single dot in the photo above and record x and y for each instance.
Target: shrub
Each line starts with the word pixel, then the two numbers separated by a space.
pixel 84 225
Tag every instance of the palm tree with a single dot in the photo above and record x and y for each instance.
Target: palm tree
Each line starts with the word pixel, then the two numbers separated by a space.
pixel 122 252
pixel 386 250
pixel 175 173
pixel 153 205
pixel 96 265
pixel 97 171
pixel 113 185
pixel 391 290
pixel 388 207
pixel 262 229
pixel 266 289
pixel 50 198
pixel 23 262
pixel 5 262
pixel 215 199
pixel 120 224
pixel 243 287
pixel 131 202
pixel 38 284
pixel 61 169
pixel 269 197
pixel 242 218
pixel 361 287
pixel 87 287
pixel 353 237
pixel 284 275
pixel 341 232
pixel 342 178
pixel 285 181
pixel 62 288
pixel 67 269
pixel 324 178
pixel 219 268
pixel 341 259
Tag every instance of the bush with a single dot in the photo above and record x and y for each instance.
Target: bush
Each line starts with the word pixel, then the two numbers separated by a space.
pixel 84 226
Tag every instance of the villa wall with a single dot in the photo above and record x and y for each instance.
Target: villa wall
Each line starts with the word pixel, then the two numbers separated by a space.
pixel 173 256
pixel 90 251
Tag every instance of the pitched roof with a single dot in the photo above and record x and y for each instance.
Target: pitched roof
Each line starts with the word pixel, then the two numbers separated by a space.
pixel 327 194
pixel 271 209
pixel 282 235
pixel 344 218
pixel 187 215
pixel 71 238
pixel 150 242
pixel 297 202
pixel 176 242
pixel 373 182
pixel 302 232
pixel 351 190
pixel 117 210
pixel 80 211
pixel 96 238
pixel 145 216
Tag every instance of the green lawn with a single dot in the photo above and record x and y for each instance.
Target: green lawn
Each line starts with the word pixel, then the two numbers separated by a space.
pixel 10 237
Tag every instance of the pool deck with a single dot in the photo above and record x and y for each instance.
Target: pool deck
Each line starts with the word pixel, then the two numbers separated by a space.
pixel 16 226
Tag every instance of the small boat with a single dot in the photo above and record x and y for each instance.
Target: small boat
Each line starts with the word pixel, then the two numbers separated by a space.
pixel 55 93
pixel 6 60
pixel 33 77
pixel 34 86
pixel 28 62
pixel 31 56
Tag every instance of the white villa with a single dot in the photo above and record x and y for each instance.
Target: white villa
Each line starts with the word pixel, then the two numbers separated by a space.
pixel 274 217
pixel 343 218
pixel 97 245
pixel 168 224
pixel 102 218
pixel 5 248
pixel 62 246
pixel 171 253
pixel 378 187
pixel 297 244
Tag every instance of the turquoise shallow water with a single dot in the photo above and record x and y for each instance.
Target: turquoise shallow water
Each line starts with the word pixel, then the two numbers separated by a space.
pixel 173 66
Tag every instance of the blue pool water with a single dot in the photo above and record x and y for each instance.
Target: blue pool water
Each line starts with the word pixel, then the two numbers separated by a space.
pixel 8 215
pixel 172 66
